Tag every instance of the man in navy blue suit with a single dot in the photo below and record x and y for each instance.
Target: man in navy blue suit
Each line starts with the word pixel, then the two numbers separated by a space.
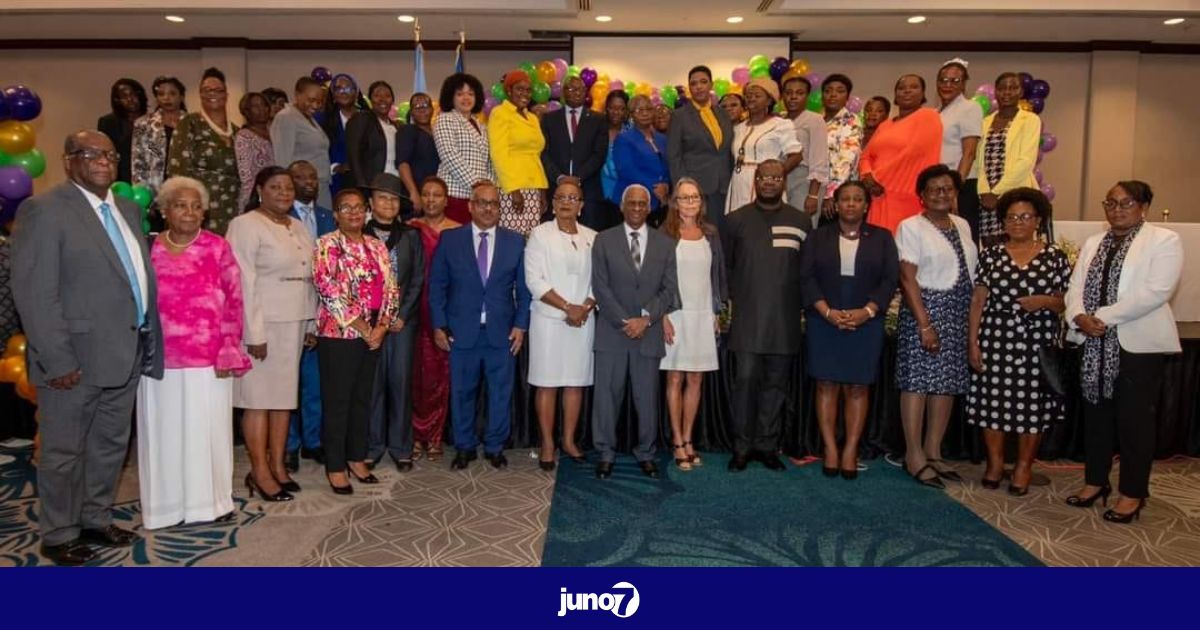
pixel 304 431
pixel 480 309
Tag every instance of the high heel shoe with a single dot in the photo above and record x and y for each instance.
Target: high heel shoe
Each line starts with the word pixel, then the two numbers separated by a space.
pixel 578 459
pixel 1113 516
pixel 278 497
pixel 1077 501
pixel 694 457
pixel 546 466
pixel 830 472
pixel 346 489
pixel 990 484
pixel 685 462
pixel 1018 491
pixel 370 478
pixel 290 485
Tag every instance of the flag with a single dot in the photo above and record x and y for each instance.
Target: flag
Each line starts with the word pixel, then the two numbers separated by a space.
pixel 419 74
pixel 460 62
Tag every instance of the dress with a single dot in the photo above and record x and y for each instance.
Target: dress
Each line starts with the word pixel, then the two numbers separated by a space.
pixel 695 347
pixel 254 153
pixel 899 150
pixel 772 139
pixel 431 373
pixel 994 155
pixel 198 151
pixel 1008 396
pixel 944 372
pixel 559 355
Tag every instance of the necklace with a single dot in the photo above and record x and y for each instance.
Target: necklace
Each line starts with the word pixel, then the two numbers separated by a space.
pixel 167 235
pixel 849 233
pixel 285 221
pixel 224 133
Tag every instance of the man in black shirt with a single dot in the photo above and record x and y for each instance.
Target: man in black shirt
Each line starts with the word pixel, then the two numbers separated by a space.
pixel 763 241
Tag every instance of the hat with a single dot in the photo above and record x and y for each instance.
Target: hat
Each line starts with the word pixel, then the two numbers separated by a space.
pixel 388 183
pixel 514 77
pixel 767 85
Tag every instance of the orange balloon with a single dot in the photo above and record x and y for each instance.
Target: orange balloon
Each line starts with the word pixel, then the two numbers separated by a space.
pixel 16 137
pixel 16 346
pixel 799 65
pixel 26 390
pixel 1025 105
pixel 12 369
pixel 546 72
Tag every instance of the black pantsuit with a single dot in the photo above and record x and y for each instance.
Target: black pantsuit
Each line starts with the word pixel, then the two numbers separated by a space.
pixel 759 393
pixel 347 378
pixel 391 405
pixel 1128 419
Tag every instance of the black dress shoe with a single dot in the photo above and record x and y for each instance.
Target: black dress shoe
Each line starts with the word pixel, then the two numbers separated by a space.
pixel 290 485
pixel 649 468
pixel 68 554
pixel 738 462
pixel 604 470
pixel 111 536
pixel 370 478
pixel 403 465
pixel 546 466
pixel 315 454
pixel 462 459
pixel 291 461
pixel 771 461
pixel 498 461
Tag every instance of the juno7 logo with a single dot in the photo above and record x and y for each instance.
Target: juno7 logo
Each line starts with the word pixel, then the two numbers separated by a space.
pixel 623 601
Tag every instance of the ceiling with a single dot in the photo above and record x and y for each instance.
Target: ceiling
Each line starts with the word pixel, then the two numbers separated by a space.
pixel 812 20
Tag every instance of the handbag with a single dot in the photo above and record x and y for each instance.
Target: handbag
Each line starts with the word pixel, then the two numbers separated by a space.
pixel 1059 363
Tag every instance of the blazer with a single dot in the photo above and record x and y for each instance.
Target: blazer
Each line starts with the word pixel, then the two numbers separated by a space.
pixel 277 284
pixel 295 138
pixel 341 274
pixel 407 257
pixel 623 292
pixel 463 148
pixel 1142 312
pixel 639 163
pixel 120 131
pixel 516 145
pixel 325 220
pixel 457 296
pixel 73 295
pixel 584 158
pixel 1020 153
pixel 548 267
pixel 691 151
pixel 876 268
pixel 366 148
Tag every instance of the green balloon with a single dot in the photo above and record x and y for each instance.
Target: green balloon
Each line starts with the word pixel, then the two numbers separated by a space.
pixel 760 72
pixel 402 111
pixel 5 158
pixel 32 161
pixel 721 88
pixel 528 68
pixel 541 92
pixel 759 60
pixel 498 91
pixel 815 104
pixel 984 102
pixel 573 71
pixel 122 189
pixel 669 96
pixel 142 196
pixel 630 86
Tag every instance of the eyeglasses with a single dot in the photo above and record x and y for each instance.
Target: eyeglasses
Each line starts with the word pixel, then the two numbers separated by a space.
pixel 568 198
pixel 352 209
pixel 486 204
pixel 944 191
pixel 522 88
pixel 344 89
pixel 92 155
pixel 573 87
pixel 421 106
pixel 638 110
pixel 1024 217
pixel 1127 203
pixel 950 81
pixel 769 178
pixel 688 198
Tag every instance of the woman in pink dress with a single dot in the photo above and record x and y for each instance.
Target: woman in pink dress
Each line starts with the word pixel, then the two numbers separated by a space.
pixel 431 378
pixel 185 421
pixel 252 143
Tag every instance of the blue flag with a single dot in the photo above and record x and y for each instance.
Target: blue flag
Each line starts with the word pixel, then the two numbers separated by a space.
pixel 460 62
pixel 419 74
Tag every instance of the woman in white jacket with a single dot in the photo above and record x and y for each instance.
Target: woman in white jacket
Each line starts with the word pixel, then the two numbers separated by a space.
pixel 1118 300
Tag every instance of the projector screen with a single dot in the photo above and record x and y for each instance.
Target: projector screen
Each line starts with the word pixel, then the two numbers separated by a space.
pixel 666 60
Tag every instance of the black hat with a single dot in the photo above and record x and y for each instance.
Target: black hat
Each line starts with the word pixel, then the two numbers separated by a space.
pixel 388 183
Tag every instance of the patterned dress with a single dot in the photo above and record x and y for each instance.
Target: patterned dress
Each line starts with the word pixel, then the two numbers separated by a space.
pixel 254 153
pixel 994 150
pixel 431 373
pixel 200 152
pixel 1008 396
pixel 845 147
pixel 944 372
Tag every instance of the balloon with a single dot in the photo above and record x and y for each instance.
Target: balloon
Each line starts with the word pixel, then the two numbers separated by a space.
pixel 1038 104
pixel 1025 105
pixel 8 209
pixel 5 158
pixel 740 75
pixel 24 107
pixel 560 68
pixel 122 189
pixel 26 390
pixel 984 103
pixel 4 112
pixel 1038 88
pixel 589 77
pixel 16 346
pixel 15 183
pixel 669 96
pixel 1041 156
pixel 759 60
pixel 498 91
pixel 18 90
pixel 489 104
pixel 541 92
pixel 402 111
pixel 986 88
pixel 142 196
pixel 799 66
pixel 33 162
pixel 12 369
pixel 854 104
pixel 547 73
pixel 760 72
pixel 556 90
pixel 815 104
pixel 816 79
pixel 321 74
pixel 553 106
pixel 528 68
pixel 779 67
pixel 573 71
pixel 1039 175
pixel 721 87
pixel 1049 141
pixel 630 87
pixel 643 89
pixel 16 137
pixel 1048 190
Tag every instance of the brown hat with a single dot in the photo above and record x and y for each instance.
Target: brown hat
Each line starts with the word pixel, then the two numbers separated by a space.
pixel 388 183
pixel 768 85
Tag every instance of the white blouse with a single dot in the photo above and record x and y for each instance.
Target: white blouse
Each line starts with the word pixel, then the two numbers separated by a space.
pixel 921 243
pixel 848 248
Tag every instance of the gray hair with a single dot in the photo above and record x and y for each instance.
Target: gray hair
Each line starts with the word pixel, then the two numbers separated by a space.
pixel 175 185
pixel 630 187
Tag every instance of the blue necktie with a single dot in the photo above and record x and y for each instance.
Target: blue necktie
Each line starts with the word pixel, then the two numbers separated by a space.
pixel 118 242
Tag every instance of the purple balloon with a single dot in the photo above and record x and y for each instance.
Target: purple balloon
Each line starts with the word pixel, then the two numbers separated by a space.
pixel 589 77
pixel 1038 104
pixel 1041 156
pixel 816 79
pixel 4 110
pixel 1038 88
pixel 489 103
pixel 1039 175
pixel 556 90
pixel 15 183
pixel 1026 81
pixel 560 68
pixel 8 208
pixel 553 106
pixel 1049 141
pixel 321 73
pixel 1048 190
pixel 854 104
pixel 986 88
pixel 779 67
pixel 18 89
pixel 24 107
pixel 740 75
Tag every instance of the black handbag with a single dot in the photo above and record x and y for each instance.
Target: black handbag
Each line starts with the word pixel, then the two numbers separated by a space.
pixel 1059 363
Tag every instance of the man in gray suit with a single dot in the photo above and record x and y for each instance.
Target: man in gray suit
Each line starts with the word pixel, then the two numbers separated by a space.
pixel 694 150
pixel 85 291
pixel 634 281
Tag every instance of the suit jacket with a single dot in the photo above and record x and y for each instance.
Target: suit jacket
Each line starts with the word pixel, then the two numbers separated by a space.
pixel 691 151
pixel 638 162
pixel 584 157
pixel 1149 277
pixel 366 148
pixel 325 220
pixel 1021 144
pixel 73 295
pixel 876 268
pixel 457 295
pixel 623 292
pixel 293 138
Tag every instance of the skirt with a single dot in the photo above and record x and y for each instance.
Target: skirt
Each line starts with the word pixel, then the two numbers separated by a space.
pixel 459 209
pixel 840 356
pixel 945 372
pixel 185 447
pixel 275 382
pixel 530 215
pixel 559 355
pixel 695 347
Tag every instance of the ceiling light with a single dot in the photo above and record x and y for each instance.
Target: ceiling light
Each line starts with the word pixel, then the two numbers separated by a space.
pixel 737 19
pixel 1173 21
pixel 406 18
pixel 916 19
pixel 175 18
pixel 603 18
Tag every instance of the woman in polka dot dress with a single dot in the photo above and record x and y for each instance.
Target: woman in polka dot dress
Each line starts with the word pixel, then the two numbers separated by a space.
pixel 1015 311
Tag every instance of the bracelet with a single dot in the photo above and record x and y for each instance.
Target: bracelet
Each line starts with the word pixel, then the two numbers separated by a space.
pixel 870 311
pixel 929 327
pixel 814 197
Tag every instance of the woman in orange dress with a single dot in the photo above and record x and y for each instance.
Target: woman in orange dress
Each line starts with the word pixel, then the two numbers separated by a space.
pixel 900 149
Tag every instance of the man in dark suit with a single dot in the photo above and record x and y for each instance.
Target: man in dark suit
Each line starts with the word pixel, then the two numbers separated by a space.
pixel 576 148
pixel 634 281
pixel 86 294
pixel 480 309
pixel 698 143
pixel 304 430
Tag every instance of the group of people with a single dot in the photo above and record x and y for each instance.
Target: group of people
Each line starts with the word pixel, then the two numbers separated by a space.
pixel 375 327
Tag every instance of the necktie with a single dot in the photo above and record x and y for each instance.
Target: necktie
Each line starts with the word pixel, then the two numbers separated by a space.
pixel 118 243
pixel 308 215
pixel 481 258
pixel 635 248
pixel 574 123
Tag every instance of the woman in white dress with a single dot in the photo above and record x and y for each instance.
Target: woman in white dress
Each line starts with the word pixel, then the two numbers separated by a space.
pixel 558 270
pixel 691 331
pixel 763 136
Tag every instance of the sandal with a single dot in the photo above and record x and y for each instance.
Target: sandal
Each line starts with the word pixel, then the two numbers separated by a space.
pixel 948 475
pixel 418 451
pixel 685 462
pixel 693 457
pixel 932 482
pixel 435 452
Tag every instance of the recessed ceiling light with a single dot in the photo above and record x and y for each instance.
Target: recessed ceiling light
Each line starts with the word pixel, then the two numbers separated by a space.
pixel 175 18
pixel 737 19
pixel 916 19
pixel 406 18
pixel 1173 21
pixel 603 18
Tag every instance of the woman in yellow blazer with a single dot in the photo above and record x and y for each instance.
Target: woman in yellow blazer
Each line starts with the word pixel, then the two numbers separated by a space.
pixel 516 141
pixel 1008 153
